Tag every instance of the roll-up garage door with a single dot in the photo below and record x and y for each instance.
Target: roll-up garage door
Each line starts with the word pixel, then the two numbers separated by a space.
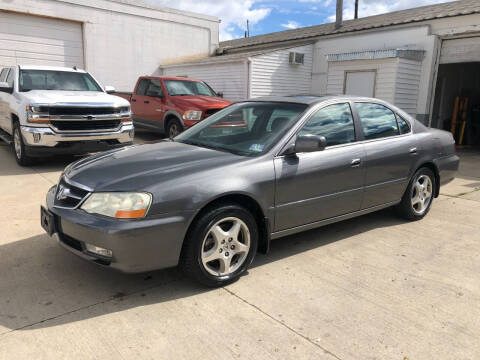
pixel 34 40
pixel 460 50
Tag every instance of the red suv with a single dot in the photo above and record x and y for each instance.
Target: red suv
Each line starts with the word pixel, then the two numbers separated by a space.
pixel 172 104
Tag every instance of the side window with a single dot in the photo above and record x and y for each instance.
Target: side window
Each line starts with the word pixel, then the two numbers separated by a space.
pixel 10 78
pixel 3 74
pixel 377 121
pixel 142 87
pixel 403 125
pixel 154 89
pixel 334 122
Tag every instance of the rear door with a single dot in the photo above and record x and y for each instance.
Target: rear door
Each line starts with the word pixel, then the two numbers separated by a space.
pixel 138 101
pixel 311 187
pixel 154 104
pixel 6 75
pixel 390 153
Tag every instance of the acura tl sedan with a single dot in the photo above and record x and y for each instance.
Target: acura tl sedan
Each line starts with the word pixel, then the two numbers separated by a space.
pixel 210 198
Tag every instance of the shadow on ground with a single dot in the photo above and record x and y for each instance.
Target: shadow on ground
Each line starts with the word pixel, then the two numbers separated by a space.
pixel 42 282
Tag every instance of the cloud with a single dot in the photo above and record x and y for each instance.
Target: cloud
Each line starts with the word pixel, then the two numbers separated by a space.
pixel 233 13
pixel 375 7
pixel 291 25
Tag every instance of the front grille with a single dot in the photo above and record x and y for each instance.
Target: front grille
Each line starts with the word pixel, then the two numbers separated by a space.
pixel 210 112
pixel 68 196
pixel 74 110
pixel 65 125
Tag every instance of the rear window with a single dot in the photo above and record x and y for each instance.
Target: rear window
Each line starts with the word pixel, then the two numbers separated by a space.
pixel 377 121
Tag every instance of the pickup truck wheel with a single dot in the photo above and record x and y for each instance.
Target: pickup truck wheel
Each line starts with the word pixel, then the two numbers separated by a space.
pixel 220 245
pixel 19 147
pixel 174 128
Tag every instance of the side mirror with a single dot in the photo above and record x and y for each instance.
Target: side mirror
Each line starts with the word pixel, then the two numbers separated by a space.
pixel 310 143
pixel 109 89
pixel 220 94
pixel 5 87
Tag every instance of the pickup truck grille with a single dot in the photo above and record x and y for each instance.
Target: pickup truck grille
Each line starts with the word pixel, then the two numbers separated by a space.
pixel 74 110
pixel 68 196
pixel 210 112
pixel 86 125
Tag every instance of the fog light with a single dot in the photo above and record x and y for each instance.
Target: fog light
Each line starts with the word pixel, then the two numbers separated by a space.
pixel 98 250
pixel 36 137
pixel 132 133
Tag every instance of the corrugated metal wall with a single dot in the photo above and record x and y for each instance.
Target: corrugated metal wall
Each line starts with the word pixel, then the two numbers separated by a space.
pixel 272 74
pixel 407 84
pixel 229 78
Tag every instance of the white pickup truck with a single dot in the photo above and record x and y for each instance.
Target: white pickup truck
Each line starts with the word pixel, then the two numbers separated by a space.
pixel 56 110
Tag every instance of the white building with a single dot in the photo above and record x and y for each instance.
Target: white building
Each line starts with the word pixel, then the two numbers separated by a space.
pixel 419 59
pixel 116 40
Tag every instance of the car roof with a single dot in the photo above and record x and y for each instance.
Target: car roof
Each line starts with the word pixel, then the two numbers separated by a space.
pixel 53 68
pixel 311 99
pixel 171 78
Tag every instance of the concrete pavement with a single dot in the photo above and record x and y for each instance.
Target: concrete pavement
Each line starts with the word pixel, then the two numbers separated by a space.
pixel 375 287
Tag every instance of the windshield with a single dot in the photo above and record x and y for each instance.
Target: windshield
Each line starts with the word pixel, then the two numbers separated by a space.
pixel 250 128
pixel 186 87
pixel 57 80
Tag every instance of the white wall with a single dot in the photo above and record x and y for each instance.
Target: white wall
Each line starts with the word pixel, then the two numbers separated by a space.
pixel 407 85
pixel 229 78
pixel 124 39
pixel 271 73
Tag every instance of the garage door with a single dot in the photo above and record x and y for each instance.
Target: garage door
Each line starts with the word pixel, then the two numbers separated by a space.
pixel 460 50
pixel 34 40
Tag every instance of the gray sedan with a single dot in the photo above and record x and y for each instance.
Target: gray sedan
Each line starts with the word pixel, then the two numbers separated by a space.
pixel 213 196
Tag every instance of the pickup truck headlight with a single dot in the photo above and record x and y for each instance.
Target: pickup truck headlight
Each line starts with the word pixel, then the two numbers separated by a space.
pixel 118 205
pixel 192 115
pixel 37 114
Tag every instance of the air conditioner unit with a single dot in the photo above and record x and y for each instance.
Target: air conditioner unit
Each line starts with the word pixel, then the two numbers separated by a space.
pixel 296 58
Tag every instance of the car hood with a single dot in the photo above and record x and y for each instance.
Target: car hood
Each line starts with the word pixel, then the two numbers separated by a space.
pixel 139 167
pixel 200 102
pixel 58 97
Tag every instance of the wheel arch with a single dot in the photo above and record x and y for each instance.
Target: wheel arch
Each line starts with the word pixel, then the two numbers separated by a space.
pixel 169 115
pixel 248 202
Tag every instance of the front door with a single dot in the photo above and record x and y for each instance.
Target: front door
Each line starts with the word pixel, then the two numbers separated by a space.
pixel 390 153
pixel 311 187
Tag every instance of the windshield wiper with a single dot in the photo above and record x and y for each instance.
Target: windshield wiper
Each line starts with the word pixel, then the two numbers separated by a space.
pixel 182 95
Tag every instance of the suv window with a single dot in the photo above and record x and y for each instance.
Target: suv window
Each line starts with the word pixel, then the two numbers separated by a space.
pixel 142 87
pixel 377 121
pixel 334 122
pixel 10 78
pixel 154 89
pixel 403 125
pixel 3 74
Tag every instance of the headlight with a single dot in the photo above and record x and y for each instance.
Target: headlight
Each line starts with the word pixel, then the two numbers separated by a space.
pixel 192 115
pixel 37 114
pixel 118 205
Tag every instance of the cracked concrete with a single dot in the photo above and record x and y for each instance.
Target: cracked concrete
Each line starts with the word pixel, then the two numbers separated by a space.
pixel 374 287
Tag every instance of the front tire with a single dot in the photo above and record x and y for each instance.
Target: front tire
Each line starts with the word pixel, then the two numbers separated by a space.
pixel 19 147
pixel 220 245
pixel 174 127
pixel 418 198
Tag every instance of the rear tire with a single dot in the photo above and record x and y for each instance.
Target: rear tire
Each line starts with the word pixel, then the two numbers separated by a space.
pixel 174 127
pixel 220 245
pixel 418 198
pixel 19 146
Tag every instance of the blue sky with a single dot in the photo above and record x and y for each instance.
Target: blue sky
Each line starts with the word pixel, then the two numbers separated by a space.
pixel 267 16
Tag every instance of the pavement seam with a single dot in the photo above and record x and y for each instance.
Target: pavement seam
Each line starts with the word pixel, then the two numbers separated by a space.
pixel 112 298
pixel 283 324
pixel 461 196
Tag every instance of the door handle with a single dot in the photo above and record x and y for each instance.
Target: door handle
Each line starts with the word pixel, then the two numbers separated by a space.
pixel 356 162
pixel 134 100
pixel 413 151
pixel 147 102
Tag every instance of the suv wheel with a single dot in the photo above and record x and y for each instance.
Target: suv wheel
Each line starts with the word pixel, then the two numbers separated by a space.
pixel 19 146
pixel 220 246
pixel 174 128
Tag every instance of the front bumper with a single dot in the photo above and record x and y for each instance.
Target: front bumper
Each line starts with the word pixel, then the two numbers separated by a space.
pixel 44 139
pixel 137 245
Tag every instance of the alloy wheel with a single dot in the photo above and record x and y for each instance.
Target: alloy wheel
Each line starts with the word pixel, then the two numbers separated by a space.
pixel 422 193
pixel 225 247
pixel 174 130
pixel 17 143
